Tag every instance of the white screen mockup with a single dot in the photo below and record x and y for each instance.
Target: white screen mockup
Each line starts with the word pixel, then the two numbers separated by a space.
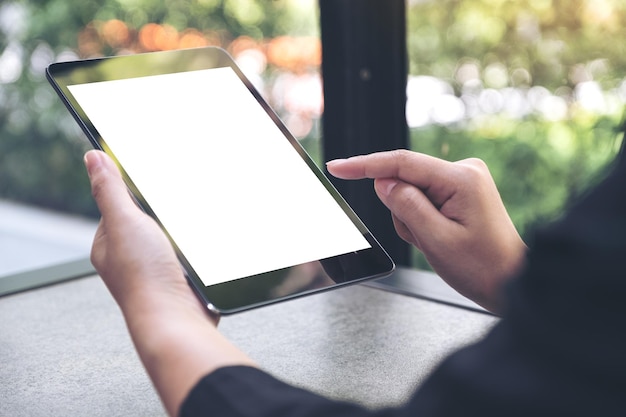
pixel 226 184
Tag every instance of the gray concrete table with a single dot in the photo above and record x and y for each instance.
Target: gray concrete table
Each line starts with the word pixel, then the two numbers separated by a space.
pixel 65 351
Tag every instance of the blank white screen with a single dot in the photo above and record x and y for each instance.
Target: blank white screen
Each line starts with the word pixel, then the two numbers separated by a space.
pixel 221 177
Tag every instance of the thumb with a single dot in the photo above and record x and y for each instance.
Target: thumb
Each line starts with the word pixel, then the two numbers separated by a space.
pixel 107 186
pixel 413 212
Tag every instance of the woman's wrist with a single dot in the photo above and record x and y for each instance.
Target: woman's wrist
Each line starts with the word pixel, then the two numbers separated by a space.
pixel 178 343
pixel 511 266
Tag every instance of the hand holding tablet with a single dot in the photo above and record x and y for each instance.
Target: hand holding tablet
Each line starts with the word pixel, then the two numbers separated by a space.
pixel 252 219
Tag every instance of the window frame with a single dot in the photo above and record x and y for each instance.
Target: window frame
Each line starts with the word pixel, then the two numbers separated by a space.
pixel 365 69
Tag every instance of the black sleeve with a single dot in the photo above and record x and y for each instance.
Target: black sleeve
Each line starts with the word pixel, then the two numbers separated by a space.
pixel 243 391
pixel 559 350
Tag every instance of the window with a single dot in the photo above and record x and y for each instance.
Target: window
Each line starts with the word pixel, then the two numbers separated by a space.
pixel 535 88
pixel 47 216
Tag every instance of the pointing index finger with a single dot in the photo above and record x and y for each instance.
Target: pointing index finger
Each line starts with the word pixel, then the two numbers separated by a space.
pixel 411 167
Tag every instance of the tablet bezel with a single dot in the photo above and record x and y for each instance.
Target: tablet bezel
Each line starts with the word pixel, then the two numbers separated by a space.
pixel 247 292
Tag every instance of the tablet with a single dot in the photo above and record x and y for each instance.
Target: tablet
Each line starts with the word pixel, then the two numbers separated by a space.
pixel 251 217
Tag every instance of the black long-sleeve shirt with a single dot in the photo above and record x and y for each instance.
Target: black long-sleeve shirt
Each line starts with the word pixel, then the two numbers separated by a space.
pixel 559 350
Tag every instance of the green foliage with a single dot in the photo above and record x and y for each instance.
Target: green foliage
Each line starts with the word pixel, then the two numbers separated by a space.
pixel 40 146
pixel 546 38
pixel 539 166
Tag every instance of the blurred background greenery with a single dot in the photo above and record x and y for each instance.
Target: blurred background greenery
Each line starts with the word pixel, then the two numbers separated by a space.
pixel 275 42
pixel 534 87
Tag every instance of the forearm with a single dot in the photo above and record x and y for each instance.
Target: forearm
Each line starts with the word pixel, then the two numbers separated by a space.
pixel 178 345
pixel 176 339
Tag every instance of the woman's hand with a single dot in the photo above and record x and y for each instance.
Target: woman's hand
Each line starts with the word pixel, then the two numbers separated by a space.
pixel 130 252
pixel 452 212
pixel 175 337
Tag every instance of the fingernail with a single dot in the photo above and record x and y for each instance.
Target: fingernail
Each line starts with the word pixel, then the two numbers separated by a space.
pixel 335 162
pixel 92 161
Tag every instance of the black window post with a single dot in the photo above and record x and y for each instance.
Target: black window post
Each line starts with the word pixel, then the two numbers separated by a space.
pixel 364 68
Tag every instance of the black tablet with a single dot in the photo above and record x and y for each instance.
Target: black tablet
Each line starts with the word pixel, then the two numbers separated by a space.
pixel 251 217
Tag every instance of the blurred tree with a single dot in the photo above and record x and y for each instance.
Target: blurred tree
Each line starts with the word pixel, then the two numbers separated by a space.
pixel 559 66
pixel 549 48
pixel 40 146
pixel 548 39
